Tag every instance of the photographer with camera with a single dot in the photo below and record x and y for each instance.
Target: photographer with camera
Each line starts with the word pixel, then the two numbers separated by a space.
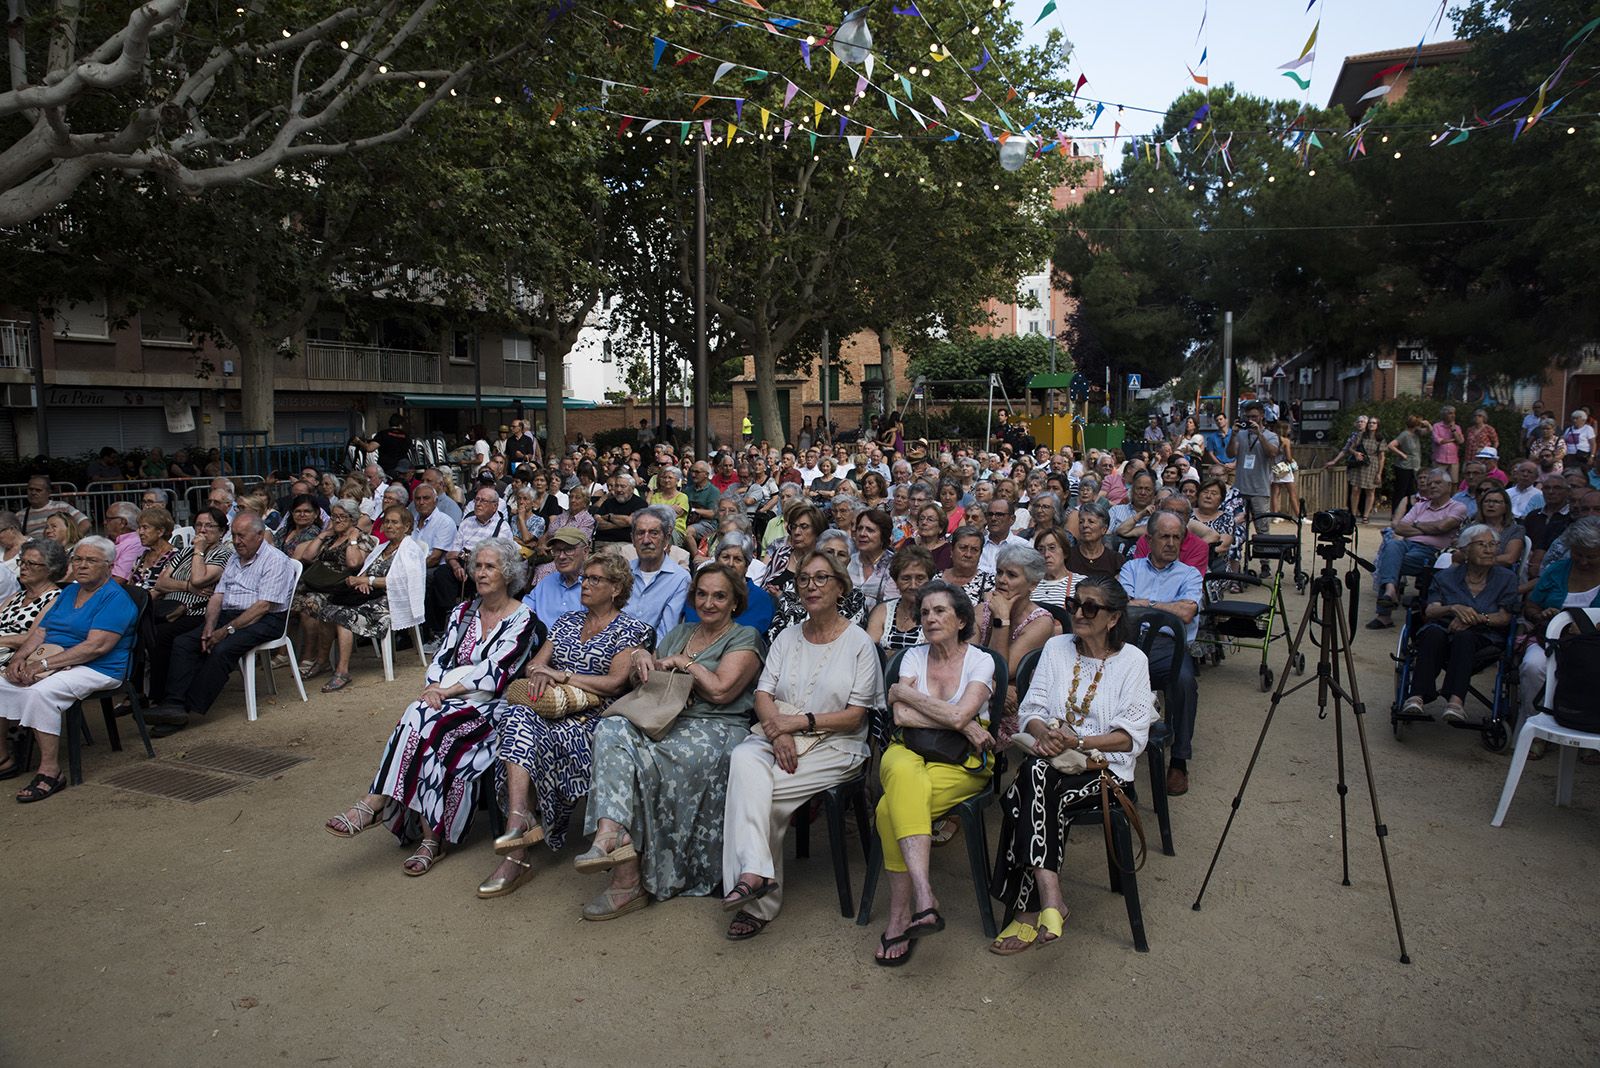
pixel 1415 540
pixel 1254 448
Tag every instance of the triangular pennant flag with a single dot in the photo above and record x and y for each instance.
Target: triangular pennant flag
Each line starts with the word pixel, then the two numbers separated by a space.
pixel 871 59
pixel 833 65
pixel 738 109
pixel 1197 118
pixel 1296 64
pixel 1385 72
pixel 920 121
pixel 788 126
pixel 816 113
pixel 854 141
pixel 987 133
pixel 732 129
pixel 1204 52
pixel 1099 109
pixel 813 142
pixel 560 104
pixel 1522 124
pixel 907 83
pixel 910 9
pixel 1198 79
pixel 1301 82
pixel 976 93
pixel 605 92
pixel 1316 141
pixel 651 125
pixel 707 124
pixel 1083 80
pixel 1003 137
pixel 868 136
pixel 1116 130
pixel 1172 146
pixel 1587 28
pixel 1437 141
pixel 805 54
pixel 698 104
pixel 683 131
pixel 658 46
pixel 722 69
pixel 1005 118
pixel 1458 138
pixel 1051 6
pixel 789 89
pixel 843 122
pixel 1011 93
pixel 893 110
pixel 954 135
pixel 940 105
pixel 861 86
pixel 765 115
pixel 1374 93
pixel 982 63
pixel 622 127
pixel 1311 42
pixel 690 58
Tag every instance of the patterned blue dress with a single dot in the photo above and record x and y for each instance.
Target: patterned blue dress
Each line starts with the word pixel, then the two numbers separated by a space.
pixel 558 753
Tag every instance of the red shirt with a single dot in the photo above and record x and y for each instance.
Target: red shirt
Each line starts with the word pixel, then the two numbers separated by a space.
pixel 723 483
pixel 1194 551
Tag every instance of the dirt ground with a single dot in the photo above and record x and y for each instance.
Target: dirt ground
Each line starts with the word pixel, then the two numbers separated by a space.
pixel 151 932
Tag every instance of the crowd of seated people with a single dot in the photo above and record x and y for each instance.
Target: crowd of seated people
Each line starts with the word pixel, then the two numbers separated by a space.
pixel 776 583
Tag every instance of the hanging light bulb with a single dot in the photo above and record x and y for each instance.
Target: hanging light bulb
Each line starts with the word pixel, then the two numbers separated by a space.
pixel 1149 189
pixel 1312 173
pixel 497 100
pixel 852 41
pixel 1397 155
pixel 1272 178
pixel 1014 153
pixel 974 26
pixel 1385 138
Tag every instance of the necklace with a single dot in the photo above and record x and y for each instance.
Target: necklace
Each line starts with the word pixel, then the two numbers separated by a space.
pixel 1078 711
pixel 713 641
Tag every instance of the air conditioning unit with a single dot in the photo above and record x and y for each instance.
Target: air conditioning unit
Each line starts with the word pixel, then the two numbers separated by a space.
pixel 19 396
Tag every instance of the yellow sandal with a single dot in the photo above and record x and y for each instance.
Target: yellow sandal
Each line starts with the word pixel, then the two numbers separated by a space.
pixel 1051 924
pixel 1016 938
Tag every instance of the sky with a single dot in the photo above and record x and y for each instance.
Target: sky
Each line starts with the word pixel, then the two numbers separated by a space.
pixel 1134 53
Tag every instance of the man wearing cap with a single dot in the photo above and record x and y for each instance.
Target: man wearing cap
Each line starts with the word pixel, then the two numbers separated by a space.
pixel 557 586
pixel 1491 464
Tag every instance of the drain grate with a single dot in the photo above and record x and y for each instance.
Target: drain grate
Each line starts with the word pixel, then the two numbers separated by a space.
pixel 173 782
pixel 246 760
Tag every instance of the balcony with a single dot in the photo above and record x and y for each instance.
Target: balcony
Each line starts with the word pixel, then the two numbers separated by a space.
pixel 369 363
pixel 15 352
pixel 524 374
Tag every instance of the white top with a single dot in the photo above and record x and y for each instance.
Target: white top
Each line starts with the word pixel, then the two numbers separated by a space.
pixel 826 678
pixel 991 551
pixel 405 583
pixel 977 666
pixel 1582 599
pixel 1123 700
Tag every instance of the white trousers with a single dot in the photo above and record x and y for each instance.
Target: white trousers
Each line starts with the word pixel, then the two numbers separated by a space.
pixel 40 706
pixel 1531 680
pixel 762 797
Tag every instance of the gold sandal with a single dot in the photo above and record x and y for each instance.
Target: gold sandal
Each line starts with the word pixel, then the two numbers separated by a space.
pixel 493 887
pixel 512 841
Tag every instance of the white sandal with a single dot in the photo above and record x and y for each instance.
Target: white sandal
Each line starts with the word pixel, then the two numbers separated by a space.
pixel 427 854
pixel 342 826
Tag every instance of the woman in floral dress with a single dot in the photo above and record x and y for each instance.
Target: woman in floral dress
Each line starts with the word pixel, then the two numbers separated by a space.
pixel 449 736
pixel 548 762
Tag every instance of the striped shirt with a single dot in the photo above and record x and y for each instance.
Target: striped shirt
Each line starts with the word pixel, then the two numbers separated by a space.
pixel 471 533
pixel 32 519
pixel 269 576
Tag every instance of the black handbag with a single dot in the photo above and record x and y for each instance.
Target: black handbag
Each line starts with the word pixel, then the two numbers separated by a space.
pixel 938 744
pixel 350 597
pixel 1577 657
pixel 323 578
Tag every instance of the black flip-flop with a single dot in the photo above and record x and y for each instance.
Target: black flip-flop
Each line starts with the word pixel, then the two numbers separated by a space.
pixel 31 793
pixel 756 924
pixel 14 770
pixel 890 943
pixel 920 927
pixel 1379 623
pixel 744 893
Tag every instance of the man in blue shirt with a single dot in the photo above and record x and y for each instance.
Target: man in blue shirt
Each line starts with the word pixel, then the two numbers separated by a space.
pixel 557 586
pixel 660 587
pixel 1219 444
pixel 1162 581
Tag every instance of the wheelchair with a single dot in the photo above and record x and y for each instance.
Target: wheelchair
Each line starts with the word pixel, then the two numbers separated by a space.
pixel 1501 698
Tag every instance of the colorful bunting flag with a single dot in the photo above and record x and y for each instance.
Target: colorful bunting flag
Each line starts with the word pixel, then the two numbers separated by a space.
pixel 1311 42
pixel 789 89
pixel 1301 82
pixel 722 69
pixel 893 110
pixel 738 109
pixel 854 141
pixel 1373 94
pixel 906 82
pixel 1198 79
pixel 1049 7
pixel 805 54
pixel 658 46
pixel 698 104
pixel 982 63
pixel 940 105
pixel 816 113
pixel 1296 64
pixel 622 127
pixel 833 65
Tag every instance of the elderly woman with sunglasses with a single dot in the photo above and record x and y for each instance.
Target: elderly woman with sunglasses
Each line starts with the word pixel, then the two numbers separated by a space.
pixel 1091 690
pixel 937 760
pixel 812 701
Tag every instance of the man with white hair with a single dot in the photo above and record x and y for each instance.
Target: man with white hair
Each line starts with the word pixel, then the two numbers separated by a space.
pixel 660 586
pixel 613 517
pixel 248 607
pixel 121 527
pixel 92 622
pixel 434 477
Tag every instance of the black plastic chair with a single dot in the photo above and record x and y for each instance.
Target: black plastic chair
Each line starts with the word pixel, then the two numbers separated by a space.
pixel 75 729
pixel 969 812
pixel 851 793
pixel 1059 614
pixel 1160 737
pixel 1120 857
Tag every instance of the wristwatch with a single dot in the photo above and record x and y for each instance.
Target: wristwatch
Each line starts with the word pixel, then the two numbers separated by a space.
pixel 1078 745
pixel 230 628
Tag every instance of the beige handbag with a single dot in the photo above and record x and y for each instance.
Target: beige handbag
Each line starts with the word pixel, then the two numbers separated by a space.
pixel 1068 761
pixel 656 705
pixel 559 700
pixel 45 652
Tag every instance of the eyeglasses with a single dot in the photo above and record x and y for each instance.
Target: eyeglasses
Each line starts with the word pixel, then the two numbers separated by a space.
pixel 1089 609
pixel 96 560
pixel 593 578
pixel 814 581
pixel 30 563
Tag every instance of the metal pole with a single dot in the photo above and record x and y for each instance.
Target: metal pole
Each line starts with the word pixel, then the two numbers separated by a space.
pixel 36 353
pixel 702 376
pixel 477 380
pixel 1227 364
pixel 827 379
pixel 1052 325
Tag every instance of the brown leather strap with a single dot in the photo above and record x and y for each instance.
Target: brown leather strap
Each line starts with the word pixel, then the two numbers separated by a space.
pixel 1110 788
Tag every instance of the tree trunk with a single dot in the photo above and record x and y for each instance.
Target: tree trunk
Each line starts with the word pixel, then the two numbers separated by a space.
pixel 257 377
pixel 555 412
pixel 766 368
pixel 886 355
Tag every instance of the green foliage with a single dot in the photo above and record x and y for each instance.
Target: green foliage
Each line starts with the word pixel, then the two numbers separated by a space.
pixel 609 438
pixel 1015 358
pixel 1392 419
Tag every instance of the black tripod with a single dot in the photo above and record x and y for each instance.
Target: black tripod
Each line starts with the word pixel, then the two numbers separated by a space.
pixel 1333 638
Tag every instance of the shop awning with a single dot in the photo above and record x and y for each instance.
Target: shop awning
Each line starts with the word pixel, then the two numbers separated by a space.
pixel 451 400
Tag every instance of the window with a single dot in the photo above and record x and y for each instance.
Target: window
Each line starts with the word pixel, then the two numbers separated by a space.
pixel 517 348
pixel 872 372
pixel 163 327
pixel 1033 327
pixel 88 319
pixel 833 384
pixel 465 342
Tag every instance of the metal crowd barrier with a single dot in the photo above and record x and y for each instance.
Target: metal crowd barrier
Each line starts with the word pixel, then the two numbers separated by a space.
pixel 14 495
pixel 185 496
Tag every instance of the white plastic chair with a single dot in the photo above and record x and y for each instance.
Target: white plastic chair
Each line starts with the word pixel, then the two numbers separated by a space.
pixel 384 647
pixel 283 641
pixel 1544 725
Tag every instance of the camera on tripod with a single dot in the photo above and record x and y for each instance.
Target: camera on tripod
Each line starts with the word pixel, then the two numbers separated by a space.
pixel 1333 523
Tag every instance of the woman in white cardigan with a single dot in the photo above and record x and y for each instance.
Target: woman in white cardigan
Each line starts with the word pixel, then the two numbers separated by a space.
pixel 386 593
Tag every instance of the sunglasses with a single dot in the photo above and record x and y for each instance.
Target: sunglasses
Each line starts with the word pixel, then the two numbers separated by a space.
pixel 1089 609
